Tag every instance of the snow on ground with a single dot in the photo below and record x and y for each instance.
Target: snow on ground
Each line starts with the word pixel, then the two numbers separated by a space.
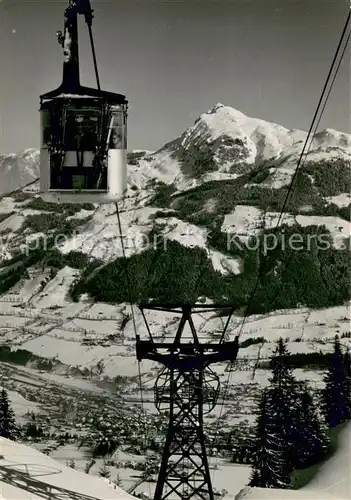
pixel 73 353
pixel 57 290
pixel 246 221
pixel 162 167
pixel 243 222
pixel 231 477
pixel 13 222
pixel 339 228
pixel 273 494
pixel 334 476
pixel 295 324
pixel 100 237
pixel 224 475
pixel 332 481
pixel 224 264
pixel 26 289
pixel 263 139
pixel 341 200
pixel 332 138
pixel 27 375
pixel 80 333
pixel 82 214
pixel 7 205
pixel 280 177
pixel 306 347
pixel 27 474
pixel 20 405
pixel 189 235
pixel 186 234
pixel 218 176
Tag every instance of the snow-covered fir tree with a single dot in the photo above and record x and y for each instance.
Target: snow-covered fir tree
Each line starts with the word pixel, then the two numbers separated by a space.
pixel 9 428
pixel 302 431
pixel 286 390
pixel 118 480
pixel 104 471
pixel 271 459
pixel 71 463
pixel 347 365
pixel 310 440
pixel 334 398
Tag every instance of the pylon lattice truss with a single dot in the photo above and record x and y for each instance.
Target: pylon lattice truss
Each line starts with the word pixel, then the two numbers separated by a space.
pixel 188 388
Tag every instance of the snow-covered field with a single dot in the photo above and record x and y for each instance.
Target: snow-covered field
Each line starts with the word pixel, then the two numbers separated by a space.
pixel 245 222
pixel 47 323
pixel 26 474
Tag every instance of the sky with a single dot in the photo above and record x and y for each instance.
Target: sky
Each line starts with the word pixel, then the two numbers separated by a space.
pixel 175 59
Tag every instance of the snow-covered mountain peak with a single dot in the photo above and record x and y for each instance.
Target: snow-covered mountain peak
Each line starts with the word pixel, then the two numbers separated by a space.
pixel 333 138
pixel 222 143
pixel 219 107
pixel 18 169
pixel 235 138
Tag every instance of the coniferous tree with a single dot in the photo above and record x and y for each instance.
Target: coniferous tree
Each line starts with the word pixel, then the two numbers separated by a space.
pixel 334 395
pixel 286 389
pixel 310 441
pixel 303 431
pixel 271 461
pixel 104 471
pixel 8 425
pixel 347 392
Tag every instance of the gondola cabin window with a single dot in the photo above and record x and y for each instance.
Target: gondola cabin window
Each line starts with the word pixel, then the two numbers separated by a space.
pixel 118 137
pixel 78 148
pixel 83 149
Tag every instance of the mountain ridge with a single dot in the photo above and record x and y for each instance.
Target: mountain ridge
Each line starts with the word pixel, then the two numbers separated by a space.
pixel 199 194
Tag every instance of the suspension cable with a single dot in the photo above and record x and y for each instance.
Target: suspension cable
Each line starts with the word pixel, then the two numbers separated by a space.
pixel 315 122
pixel 308 149
pixel 307 145
pixel 94 56
pixel 258 359
pixel 123 252
pixel 132 315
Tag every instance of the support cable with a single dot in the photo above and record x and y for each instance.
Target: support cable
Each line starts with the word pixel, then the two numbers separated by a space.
pixel 315 129
pixel 94 56
pixel 123 252
pixel 303 153
pixel 307 145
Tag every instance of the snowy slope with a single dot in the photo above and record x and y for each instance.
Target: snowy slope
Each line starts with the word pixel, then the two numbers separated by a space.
pixel 17 170
pixel 37 314
pixel 232 136
pixel 332 481
pixel 262 139
pixel 334 476
pixel 26 474
pixel 246 221
pixel 98 236
pixel 46 309
pixel 235 137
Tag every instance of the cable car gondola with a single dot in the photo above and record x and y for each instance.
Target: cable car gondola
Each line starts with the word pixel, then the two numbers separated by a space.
pixel 83 153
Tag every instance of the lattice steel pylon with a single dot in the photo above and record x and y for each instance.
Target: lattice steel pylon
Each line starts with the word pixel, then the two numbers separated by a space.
pixel 188 388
